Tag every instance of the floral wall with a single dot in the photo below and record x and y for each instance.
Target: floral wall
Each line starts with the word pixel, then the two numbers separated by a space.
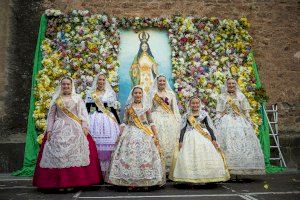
pixel 205 51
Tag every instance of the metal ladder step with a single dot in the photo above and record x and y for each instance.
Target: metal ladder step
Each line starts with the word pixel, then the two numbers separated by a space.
pixel 274 146
pixel 275 158
pixel 272 118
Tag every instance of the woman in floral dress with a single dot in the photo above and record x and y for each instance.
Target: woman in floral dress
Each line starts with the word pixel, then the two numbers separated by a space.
pixel 137 160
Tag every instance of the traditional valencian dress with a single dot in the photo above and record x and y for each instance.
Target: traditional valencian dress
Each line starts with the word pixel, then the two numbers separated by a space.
pixel 104 122
pixel 167 119
pixel 198 161
pixel 69 158
pixel 137 160
pixel 237 136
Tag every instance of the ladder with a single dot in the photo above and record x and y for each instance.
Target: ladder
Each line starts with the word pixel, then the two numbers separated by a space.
pixel 272 117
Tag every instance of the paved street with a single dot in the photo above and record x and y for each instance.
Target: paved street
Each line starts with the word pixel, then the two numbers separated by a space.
pixel 273 187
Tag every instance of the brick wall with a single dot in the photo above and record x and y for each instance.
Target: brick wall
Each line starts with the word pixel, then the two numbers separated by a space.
pixel 275 29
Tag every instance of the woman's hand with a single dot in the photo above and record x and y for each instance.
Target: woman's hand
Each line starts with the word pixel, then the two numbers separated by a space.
pixel 154 131
pixel 215 144
pixel 180 145
pixel 86 131
pixel 223 113
pixel 118 139
pixel 121 129
pixel 49 134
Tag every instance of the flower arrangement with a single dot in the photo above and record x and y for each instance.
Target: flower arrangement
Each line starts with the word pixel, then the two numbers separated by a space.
pixel 80 45
pixel 205 51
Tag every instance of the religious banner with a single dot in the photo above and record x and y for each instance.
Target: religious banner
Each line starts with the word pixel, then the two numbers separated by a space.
pixel 143 55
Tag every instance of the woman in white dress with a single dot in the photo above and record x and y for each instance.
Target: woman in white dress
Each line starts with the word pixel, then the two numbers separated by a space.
pixel 199 160
pixel 237 136
pixel 137 160
pixel 68 155
pixel 166 116
pixel 101 102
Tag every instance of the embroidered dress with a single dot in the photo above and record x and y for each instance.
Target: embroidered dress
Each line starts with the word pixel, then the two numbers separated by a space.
pixel 136 160
pixel 198 161
pixel 237 136
pixel 104 128
pixel 69 158
pixel 167 121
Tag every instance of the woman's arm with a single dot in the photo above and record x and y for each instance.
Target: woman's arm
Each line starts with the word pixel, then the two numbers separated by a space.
pixel 150 121
pixel 50 121
pixel 211 132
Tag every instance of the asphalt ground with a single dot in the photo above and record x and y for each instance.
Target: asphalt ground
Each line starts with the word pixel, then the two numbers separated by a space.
pixel 280 186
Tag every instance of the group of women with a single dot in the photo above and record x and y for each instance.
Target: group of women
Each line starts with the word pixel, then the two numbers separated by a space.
pixel 85 144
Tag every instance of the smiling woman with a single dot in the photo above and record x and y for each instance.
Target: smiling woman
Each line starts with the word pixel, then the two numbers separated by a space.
pixel 67 149
pixel 166 116
pixel 137 160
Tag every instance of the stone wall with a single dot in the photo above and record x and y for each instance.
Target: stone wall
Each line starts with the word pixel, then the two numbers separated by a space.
pixel 275 29
pixel 18 34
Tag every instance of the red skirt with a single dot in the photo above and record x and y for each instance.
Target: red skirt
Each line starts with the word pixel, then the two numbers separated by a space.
pixel 47 178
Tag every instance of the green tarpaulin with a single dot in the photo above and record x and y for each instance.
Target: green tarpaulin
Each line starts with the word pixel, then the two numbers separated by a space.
pixel 264 136
pixel 31 146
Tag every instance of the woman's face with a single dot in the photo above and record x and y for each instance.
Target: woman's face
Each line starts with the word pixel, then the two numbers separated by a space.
pixel 101 82
pixel 137 94
pixel 66 85
pixel 195 102
pixel 161 83
pixel 231 85
pixel 144 47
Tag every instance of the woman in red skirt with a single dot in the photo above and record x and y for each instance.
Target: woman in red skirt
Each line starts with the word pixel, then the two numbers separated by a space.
pixel 68 156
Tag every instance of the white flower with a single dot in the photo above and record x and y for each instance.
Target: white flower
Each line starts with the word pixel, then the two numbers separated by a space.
pixel 97 68
pixel 89 79
pixel 76 19
pixel 52 12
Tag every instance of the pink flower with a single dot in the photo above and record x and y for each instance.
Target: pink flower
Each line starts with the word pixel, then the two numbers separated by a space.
pixel 201 70
pixel 201 26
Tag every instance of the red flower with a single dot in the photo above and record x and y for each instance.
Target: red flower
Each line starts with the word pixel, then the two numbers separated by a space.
pixel 183 40
pixel 204 101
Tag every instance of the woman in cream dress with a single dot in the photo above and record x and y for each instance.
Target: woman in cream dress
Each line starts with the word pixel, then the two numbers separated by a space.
pixel 166 116
pixel 199 160
pixel 237 136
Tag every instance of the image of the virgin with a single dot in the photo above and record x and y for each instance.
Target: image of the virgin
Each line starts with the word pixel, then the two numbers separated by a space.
pixel 144 68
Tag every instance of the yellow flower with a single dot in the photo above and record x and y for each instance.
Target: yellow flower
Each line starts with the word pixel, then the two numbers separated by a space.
pixel 209 85
pixel 233 70
pixel 67 28
pixel 202 80
pixel 40 138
